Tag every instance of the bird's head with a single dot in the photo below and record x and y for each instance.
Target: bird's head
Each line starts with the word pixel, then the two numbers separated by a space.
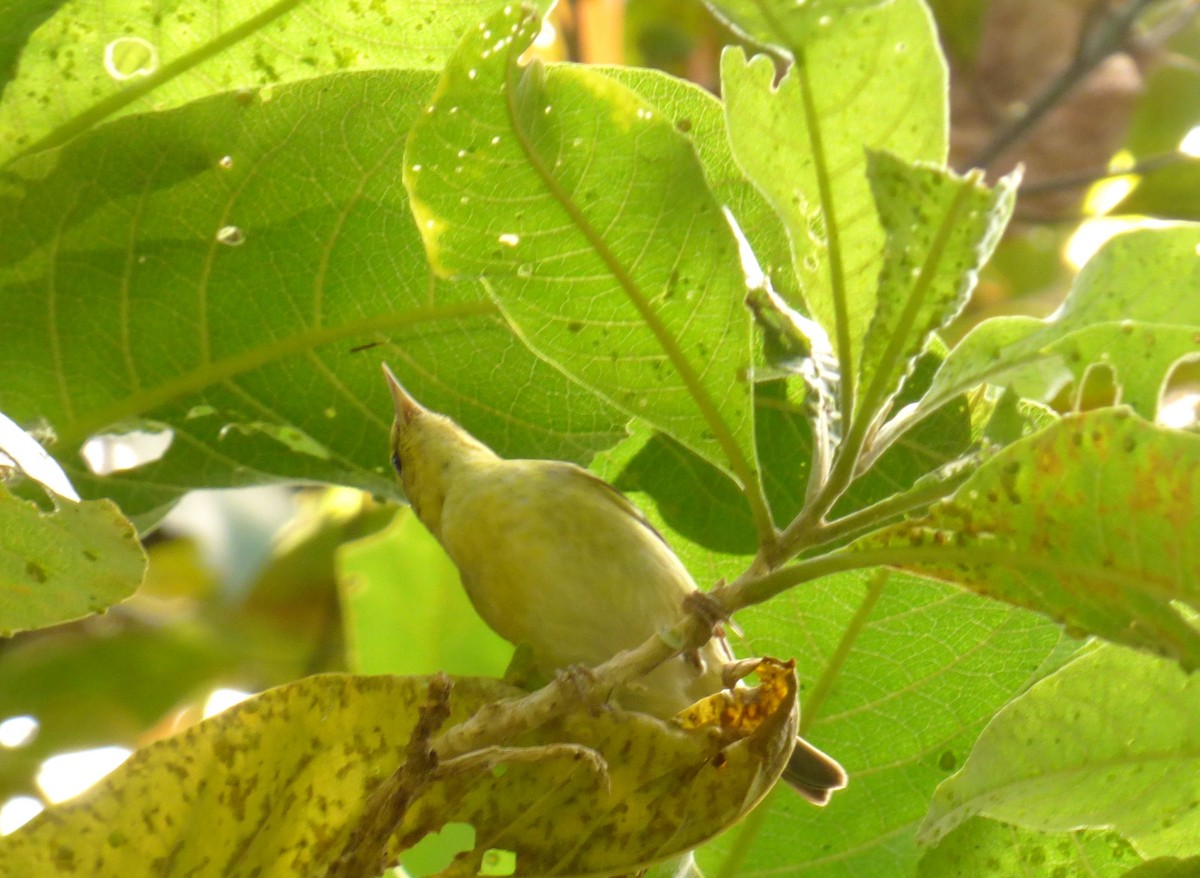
pixel 428 452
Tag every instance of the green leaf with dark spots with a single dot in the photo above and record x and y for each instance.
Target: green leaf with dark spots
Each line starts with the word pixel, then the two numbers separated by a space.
pixel 983 848
pixel 1124 312
pixel 940 229
pixel 875 80
pixel 589 215
pixel 64 564
pixel 1090 521
pixel 1109 740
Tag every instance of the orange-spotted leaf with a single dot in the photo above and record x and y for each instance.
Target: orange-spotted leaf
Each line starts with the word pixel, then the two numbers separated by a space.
pixel 1092 521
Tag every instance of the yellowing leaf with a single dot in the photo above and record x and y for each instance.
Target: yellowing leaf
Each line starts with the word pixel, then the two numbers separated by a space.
pixel 739 712
pixel 289 782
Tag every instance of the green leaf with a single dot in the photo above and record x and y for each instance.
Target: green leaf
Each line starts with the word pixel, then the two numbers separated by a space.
pixel 898 676
pixel 122 680
pixel 988 849
pixel 1107 741
pixel 405 610
pixel 126 309
pixel 1171 191
pixel 590 217
pixel 288 781
pixel 21 18
pixel 700 117
pixel 1167 867
pixel 875 80
pixel 1123 311
pixel 940 230
pixel 786 25
pixel 79 559
pixel 89 63
pixel 1088 521
pixel 1169 104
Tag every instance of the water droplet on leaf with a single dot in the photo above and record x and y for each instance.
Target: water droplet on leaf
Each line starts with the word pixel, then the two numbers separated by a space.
pixel 231 236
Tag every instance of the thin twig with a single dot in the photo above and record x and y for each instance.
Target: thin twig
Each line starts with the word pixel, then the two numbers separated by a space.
pixel 1109 34
pixel 883 512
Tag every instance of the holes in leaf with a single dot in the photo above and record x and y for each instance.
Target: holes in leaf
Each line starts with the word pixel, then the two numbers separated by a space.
pixel 498 862
pixel 1179 405
pixel 115 452
pixel 434 852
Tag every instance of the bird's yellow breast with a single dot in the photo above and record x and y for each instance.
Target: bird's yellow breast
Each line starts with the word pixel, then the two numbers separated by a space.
pixel 556 559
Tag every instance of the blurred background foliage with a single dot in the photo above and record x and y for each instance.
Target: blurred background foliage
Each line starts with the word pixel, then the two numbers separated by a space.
pixel 248 589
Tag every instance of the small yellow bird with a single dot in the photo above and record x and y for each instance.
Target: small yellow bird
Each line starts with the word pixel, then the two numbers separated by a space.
pixel 559 561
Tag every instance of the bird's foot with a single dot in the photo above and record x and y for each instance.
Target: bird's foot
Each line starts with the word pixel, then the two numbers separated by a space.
pixel 707 609
pixel 578 680
pixel 711 612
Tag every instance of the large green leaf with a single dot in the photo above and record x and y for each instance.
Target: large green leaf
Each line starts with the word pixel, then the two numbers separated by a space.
pixel 875 80
pixel 588 213
pixel 130 300
pixel 1107 741
pixel 1090 521
pixel 1128 310
pixel 701 118
pixel 898 676
pixel 63 564
pixel 90 62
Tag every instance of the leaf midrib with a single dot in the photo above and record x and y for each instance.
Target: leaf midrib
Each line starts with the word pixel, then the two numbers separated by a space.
pixel 75 432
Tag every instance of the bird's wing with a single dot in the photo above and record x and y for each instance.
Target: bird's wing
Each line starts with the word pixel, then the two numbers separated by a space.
pixel 571 471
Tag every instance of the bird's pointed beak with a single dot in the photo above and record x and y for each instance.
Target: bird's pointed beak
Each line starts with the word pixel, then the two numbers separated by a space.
pixel 407 408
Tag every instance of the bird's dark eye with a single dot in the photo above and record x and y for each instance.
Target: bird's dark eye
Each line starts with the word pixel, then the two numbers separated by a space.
pixel 396 463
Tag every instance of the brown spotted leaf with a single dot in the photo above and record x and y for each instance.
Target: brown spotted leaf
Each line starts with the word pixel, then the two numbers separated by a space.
pixel 664 789
pixel 739 712
pixel 280 784
pixel 1092 521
